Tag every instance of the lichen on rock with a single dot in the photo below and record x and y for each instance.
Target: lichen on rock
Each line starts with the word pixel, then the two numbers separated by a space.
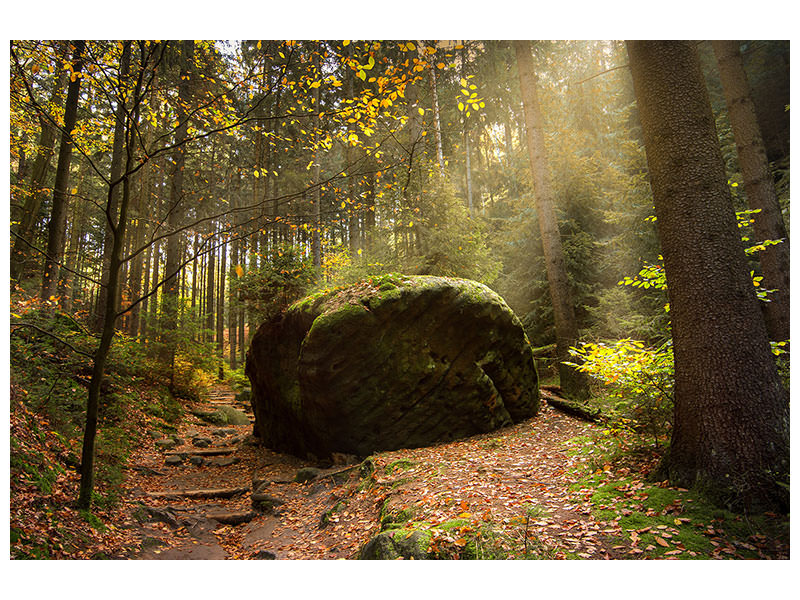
pixel 391 362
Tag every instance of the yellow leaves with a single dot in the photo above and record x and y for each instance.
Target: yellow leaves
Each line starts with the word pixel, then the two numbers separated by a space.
pixel 239 270
pixel 421 111
pixel 361 75
pixel 360 252
pixel 440 65
pixel 257 173
pixel 258 45
pixel 315 84
pixel 310 163
pixel 430 50
pixel 461 106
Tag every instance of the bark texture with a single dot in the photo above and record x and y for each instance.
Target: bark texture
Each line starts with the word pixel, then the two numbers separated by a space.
pixel 730 432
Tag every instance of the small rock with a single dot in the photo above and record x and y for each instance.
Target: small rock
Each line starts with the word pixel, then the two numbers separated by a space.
pixel 174 460
pixel 264 555
pixel 223 431
pixel 166 443
pixel 307 474
pixel 178 440
pixel 201 442
pixel 197 461
pixel 259 485
pixel 190 433
pixel 265 502
pixel 224 461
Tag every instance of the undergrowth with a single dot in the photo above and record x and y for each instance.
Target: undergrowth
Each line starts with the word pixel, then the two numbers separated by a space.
pixel 50 369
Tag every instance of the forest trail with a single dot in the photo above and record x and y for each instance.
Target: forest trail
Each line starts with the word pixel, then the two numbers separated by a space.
pixel 232 499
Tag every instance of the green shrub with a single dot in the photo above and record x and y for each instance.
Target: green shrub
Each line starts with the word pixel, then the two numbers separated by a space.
pixel 639 380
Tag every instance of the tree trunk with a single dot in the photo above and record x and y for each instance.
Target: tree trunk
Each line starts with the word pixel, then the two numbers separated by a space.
pixel 221 308
pixel 354 235
pixel 758 186
pixel 117 163
pixel 77 231
pixel 210 294
pixel 573 383
pixel 730 431
pixel 467 149
pixel 36 195
pixel 118 227
pixel 316 242
pixel 58 216
pixel 437 127
pixel 169 295
pixel 233 306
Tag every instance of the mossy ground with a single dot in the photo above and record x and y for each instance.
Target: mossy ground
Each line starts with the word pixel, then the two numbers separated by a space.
pixel 659 521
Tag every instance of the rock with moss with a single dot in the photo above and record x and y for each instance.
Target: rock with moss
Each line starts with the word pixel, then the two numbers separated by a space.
pixel 397 543
pixel 392 362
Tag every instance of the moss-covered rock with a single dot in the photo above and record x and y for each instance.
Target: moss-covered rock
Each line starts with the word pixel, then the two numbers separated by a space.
pixel 397 543
pixel 387 363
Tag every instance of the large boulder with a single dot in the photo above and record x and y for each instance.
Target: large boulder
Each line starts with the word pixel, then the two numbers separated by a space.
pixel 391 362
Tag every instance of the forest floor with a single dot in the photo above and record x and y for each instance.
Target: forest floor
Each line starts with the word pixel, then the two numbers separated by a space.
pixel 552 487
pixel 518 492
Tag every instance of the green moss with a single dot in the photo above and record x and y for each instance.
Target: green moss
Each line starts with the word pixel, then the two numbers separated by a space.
pixel 682 519
pixel 399 465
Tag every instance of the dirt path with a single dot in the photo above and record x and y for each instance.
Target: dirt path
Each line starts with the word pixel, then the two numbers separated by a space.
pixel 225 497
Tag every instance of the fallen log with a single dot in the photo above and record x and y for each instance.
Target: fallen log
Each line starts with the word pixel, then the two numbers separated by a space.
pixel 209 493
pixel 574 409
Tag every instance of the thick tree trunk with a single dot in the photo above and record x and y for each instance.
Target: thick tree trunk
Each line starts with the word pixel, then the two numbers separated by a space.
pixel 573 383
pixel 758 186
pixel 730 432
pixel 58 216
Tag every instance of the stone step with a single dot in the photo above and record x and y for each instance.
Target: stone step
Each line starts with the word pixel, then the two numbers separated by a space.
pixel 233 517
pixel 222 450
